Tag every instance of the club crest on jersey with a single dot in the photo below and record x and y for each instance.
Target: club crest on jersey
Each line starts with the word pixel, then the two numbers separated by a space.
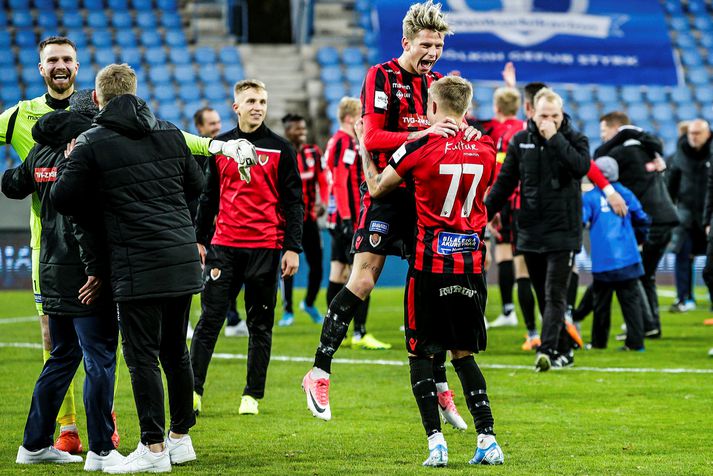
pixel 375 239
pixel 262 159
pixel 454 243
pixel 379 227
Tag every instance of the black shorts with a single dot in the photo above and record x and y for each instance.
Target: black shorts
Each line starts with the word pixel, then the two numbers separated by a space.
pixel 444 312
pixel 513 231
pixel 506 225
pixel 387 226
pixel 341 246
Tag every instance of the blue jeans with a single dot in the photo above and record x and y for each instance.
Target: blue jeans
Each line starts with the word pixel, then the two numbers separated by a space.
pixel 684 269
pixel 93 338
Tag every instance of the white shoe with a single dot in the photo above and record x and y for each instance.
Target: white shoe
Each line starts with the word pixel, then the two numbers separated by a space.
pixel 45 455
pixel 189 331
pixel 437 451
pixel 710 353
pixel 181 450
pixel 98 463
pixel 238 330
pixel 449 412
pixel 505 320
pixel 142 460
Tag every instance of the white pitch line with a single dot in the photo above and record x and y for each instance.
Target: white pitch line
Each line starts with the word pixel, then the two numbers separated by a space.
pixel 13 320
pixel 403 363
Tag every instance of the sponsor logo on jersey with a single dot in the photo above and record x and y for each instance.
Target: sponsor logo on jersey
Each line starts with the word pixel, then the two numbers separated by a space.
pixel 45 174
pixel 454 243
pixel 457 290
pixel 379 227
pixel 415 120
pixel 381 101
pixel 349 156
pixel 527 146
pixel 460 146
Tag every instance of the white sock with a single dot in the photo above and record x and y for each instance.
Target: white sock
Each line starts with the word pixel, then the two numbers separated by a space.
pixel 318 373
pixel 485 440
pixel 71 427
pixel 441 387
pixel 174 440
pixel 435 440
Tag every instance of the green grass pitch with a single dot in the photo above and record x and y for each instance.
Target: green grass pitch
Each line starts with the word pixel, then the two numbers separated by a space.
pixel 575 421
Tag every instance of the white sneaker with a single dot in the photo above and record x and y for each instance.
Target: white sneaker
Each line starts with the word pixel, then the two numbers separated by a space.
pixel 238 330
pixel 45 455
pixel 142 460
pixel 181 450
pixel 98 463
pixel 189 331
pixel 449 412
pixel 505 320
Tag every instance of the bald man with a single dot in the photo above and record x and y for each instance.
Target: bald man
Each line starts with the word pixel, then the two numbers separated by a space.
pixel 687 186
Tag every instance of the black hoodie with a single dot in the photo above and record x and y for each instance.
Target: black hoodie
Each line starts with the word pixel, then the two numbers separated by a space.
pixel 64 266
pixel 136 173
pixel 687 175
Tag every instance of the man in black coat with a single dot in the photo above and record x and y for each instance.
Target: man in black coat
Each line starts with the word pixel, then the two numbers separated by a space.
pixel 136 173
pixel 81 321
pixel 687 175
pixel 548 159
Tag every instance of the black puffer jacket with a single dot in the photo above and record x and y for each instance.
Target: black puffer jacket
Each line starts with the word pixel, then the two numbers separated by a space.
pixel 136 172
pixel 63 266
pixel 687 175
pixel 549 173
pixel 632 148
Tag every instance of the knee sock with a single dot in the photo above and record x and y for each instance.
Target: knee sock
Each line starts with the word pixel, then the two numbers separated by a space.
pixel 473 382
pixel 332 290
pixel 335 326
pixel 527 303
pixel 572 291
pixel 439 371
pixel 360 318
pixel 424 390
pixel 506 281
pixel 67 414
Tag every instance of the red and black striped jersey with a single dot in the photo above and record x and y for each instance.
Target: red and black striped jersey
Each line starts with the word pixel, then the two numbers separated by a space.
pixel 449 177
pixel 400 98
pixel 314 175
pixel 342 157
pixel 501 133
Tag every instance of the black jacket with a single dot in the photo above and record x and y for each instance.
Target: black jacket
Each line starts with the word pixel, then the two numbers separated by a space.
pixel 549 173
pixel 632 148
pixel 136 173
pixel 708 209
pixel 289 188
pixel 64 266
pixel 687 175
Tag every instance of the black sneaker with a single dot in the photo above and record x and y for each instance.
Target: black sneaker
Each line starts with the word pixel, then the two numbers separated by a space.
pixel 563 360
pixel 629 349
pixel 677 307
pixel 543 362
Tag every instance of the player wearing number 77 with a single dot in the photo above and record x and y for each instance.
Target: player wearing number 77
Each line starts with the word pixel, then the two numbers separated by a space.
pixel 445 290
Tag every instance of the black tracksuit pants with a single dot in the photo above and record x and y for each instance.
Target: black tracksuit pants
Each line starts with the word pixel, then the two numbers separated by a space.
pixel 629 296
pixel 651 253
pixel 708 268
pixel 153 331
pixel 312 245
pixel 257 269
pixel 549 274
pixel 73 338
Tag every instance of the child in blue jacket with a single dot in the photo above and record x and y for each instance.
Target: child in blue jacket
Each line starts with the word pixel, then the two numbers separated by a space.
pixel 616 261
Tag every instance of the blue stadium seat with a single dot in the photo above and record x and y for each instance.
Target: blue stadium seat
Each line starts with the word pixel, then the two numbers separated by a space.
pixel 704 94
pixel 179 56
pixel 167 5
pixel 631 94
pixel 85 77
pixel 5 40
pixel 655 94
pixel 97 20
pixel 19 4
pixel 10 94
pixel 155 56
pixel 125 38
pixel 204 55
pixel 140 74
pixel 193 106
pixel 13 155
pixel 175 38
pixel 151 38
pixel 25 38
pixel 3 18
pixel 355 90
pixel 662 112
pixel 102 39
pixel 35 90
pixel 607 93
pixel 373 56
pixel 118 5
pixel 72 20
pixel 371 38
pixel 483 95
pixel 224 110
pixel 164 94
pixel 44 5
pixel 707 113
pixel 215 93
pixel 352 56
pixel 699 76
pixel 84 56
pixel 355 74
pixel 233 73
pixel 591 128
pixel 333 110
pixel 146 20
pixel 93 5
pixel 189 92
pixel 229 55
pixel 706 40
pixel 691 57
pixel 328 56
pixel 171 20
pixel 27 57
pixel 132 56
pixel 185 74
pixel 610 106
pixel 362 6
pixel 210 73
pixel 104 56
pixel 142 5
pixel 702 23
pixel 121 21
pixel 679 24
pixel 583 94
pixel 22 19
pixel 334 91
pixel 68 6
pixel 7 61
pixel 47 19
pixel 685 41
pixel 687 112
pixel 638 113
pixel 159 75
pixel 587 112
pixel 168 111
pixel 365 21
pixel 331 74
pixel 78 36
pixel 681 94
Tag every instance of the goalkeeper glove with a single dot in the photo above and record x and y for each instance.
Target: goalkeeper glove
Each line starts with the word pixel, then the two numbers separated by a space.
pixel 241 151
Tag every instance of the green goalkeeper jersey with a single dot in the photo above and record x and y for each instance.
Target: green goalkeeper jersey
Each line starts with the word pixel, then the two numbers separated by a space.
pixel 16 130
